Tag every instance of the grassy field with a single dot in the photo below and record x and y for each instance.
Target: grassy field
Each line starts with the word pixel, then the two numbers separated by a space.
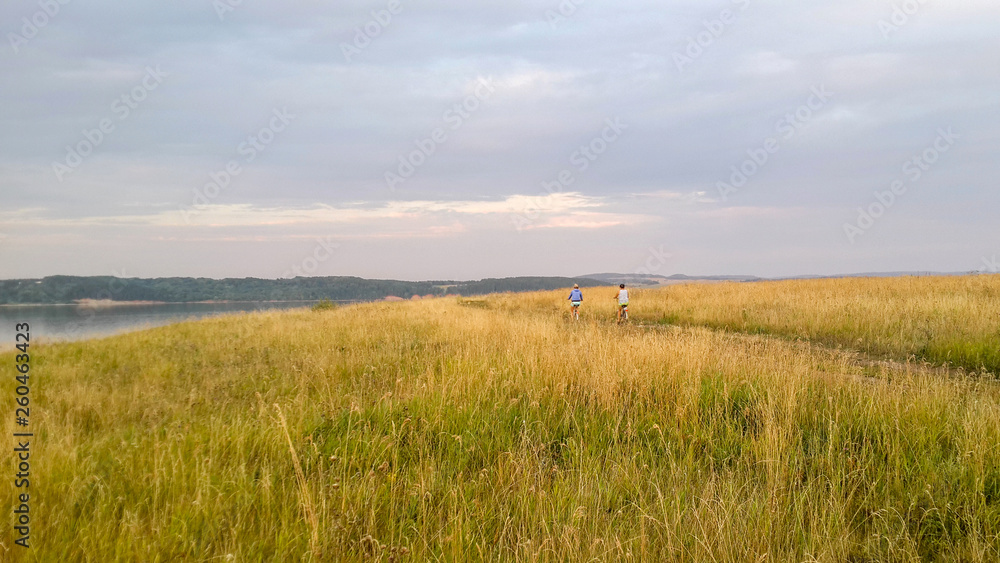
pixel 953 320
pixel 497 429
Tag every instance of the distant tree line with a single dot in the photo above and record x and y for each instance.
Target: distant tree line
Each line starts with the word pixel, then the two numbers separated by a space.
pixel 68 289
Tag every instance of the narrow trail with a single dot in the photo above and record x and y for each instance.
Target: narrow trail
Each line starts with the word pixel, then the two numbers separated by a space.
pixel 883 368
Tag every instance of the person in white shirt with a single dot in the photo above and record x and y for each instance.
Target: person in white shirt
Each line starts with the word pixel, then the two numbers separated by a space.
pixel 622 300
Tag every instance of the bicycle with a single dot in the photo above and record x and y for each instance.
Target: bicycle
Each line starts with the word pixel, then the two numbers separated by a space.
pixel 623 316
pixel 575 311
pixel 622 298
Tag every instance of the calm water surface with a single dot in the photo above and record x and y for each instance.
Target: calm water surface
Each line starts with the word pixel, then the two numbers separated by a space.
pixel 70 322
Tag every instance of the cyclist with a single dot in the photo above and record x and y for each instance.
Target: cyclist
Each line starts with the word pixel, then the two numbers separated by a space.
pixel 622 300
pixel 575 298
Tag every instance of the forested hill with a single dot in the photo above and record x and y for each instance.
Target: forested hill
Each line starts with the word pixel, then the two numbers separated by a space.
pixel 69 289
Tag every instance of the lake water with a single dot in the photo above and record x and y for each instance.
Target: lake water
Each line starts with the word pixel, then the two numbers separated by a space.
pixel 70 322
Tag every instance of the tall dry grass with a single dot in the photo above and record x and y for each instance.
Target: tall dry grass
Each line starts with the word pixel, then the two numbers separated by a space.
pixel 499 430
pixel 953 320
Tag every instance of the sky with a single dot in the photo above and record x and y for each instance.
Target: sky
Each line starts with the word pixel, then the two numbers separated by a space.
pixel 461 140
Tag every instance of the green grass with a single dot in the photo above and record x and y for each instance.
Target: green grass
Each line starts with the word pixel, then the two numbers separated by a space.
pixel 324 305
pixel 434 430
pixel 942 320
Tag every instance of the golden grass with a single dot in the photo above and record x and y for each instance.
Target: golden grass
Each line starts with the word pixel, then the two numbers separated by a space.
pixel 497 429
pixel 954 320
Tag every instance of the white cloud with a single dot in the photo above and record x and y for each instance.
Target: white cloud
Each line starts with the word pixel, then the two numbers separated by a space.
pixel 767 63
pixel 689 197
pixel 358 213
pixel 537 81
pixel 584 220
pixel 553 90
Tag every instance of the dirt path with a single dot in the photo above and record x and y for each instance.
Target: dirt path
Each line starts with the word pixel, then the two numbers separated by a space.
pixel 880 369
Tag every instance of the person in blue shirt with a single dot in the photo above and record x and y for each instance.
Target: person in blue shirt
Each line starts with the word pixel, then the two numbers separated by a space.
pixel 575 298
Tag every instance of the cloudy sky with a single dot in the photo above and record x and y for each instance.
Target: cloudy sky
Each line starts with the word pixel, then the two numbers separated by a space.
pixel 445 139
